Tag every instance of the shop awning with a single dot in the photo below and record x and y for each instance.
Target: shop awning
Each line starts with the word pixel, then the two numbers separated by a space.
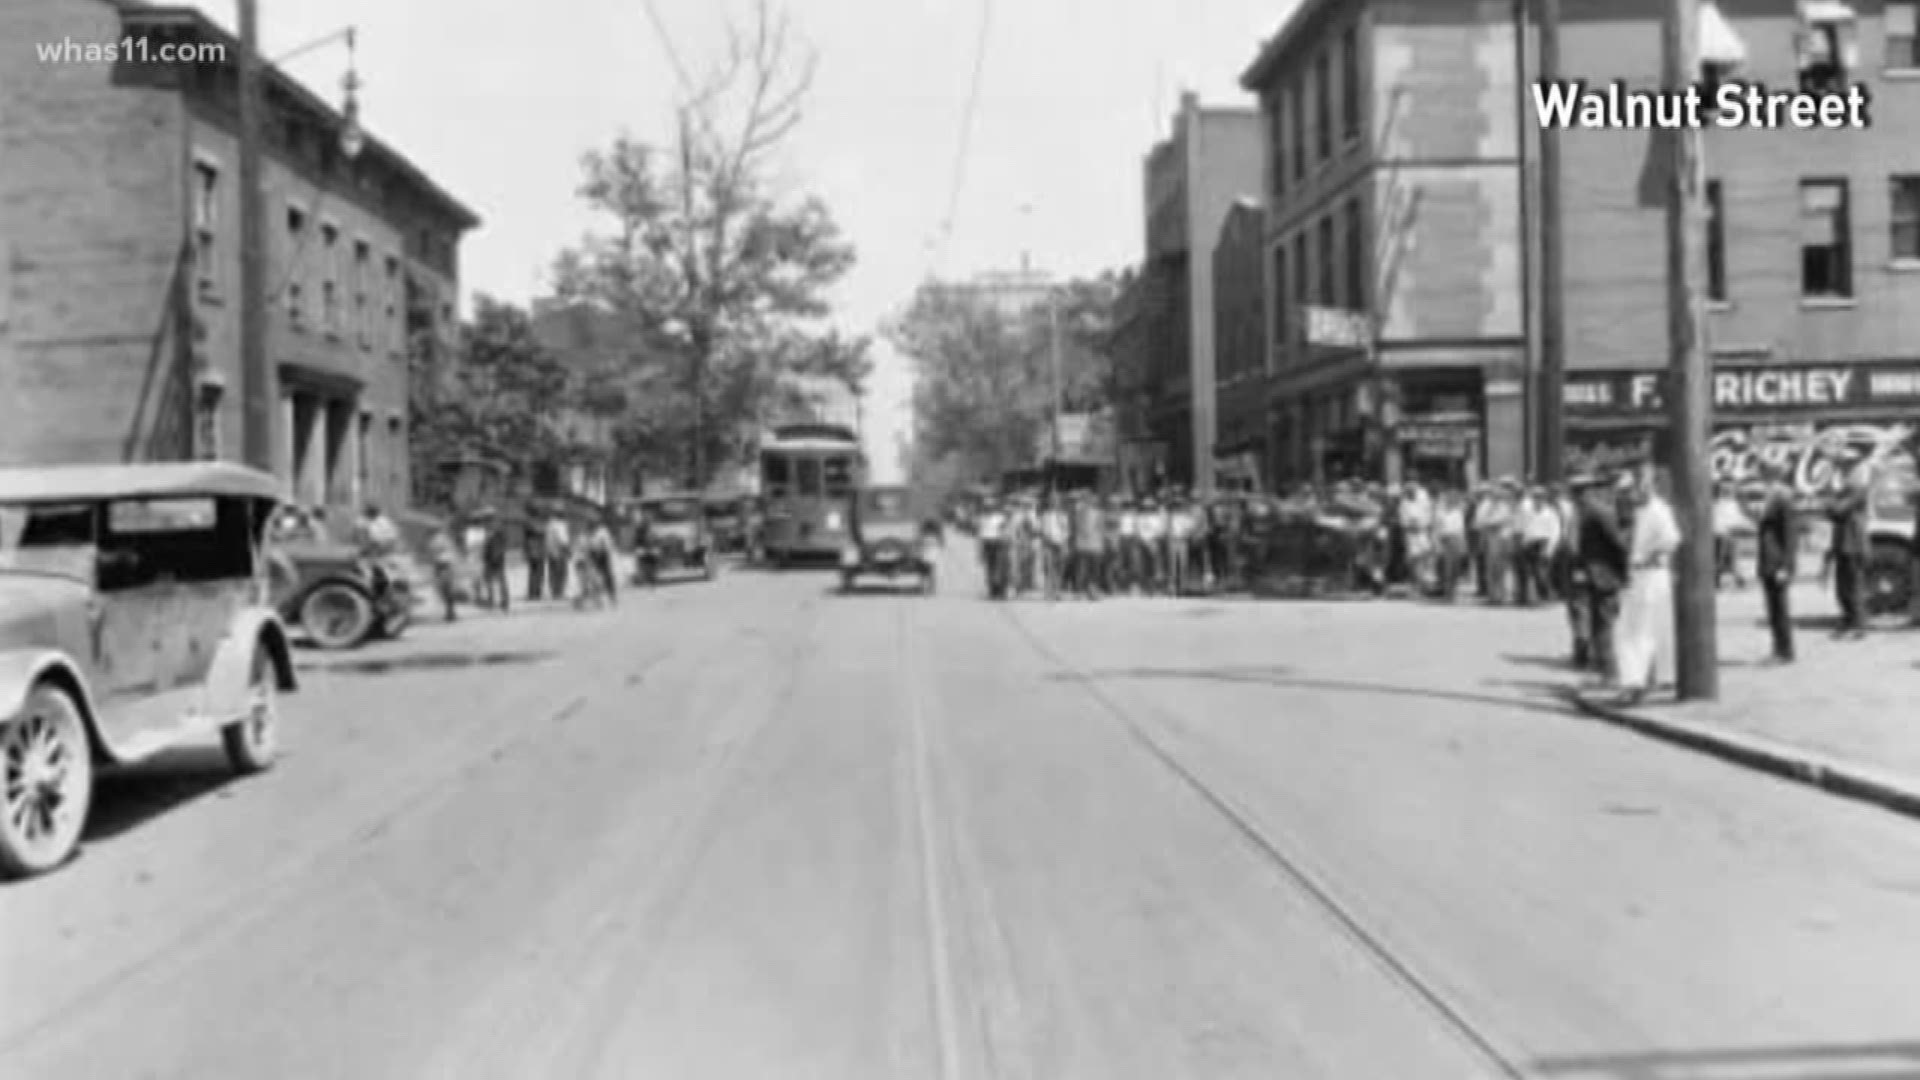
pixel 1719 44
pixel 1826 11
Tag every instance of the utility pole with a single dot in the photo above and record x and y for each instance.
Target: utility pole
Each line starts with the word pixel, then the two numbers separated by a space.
pixel 1054 368
pixel 256 374
pixel 1689 404
pixel 1550 395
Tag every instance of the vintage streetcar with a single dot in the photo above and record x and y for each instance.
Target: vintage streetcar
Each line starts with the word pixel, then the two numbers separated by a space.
pixel 134 616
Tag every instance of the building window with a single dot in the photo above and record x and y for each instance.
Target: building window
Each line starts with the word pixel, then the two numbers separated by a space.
pixel 1302 279
pixel 1356 259
pixel 396 328
pixel 362 302
pixel 1277 292
pixel 206 226
pixel 296 250
pixel 396 460
pixel 1902 21
pixel 1277 149
pixel 330 280
pixel 1826 247
pixel 1716 242
pixel 363 460
pixel 1350 83
pixel 1826 47
pixel 1905 227
pixel 1297 128
pixel 1326 253
pixel 1323 105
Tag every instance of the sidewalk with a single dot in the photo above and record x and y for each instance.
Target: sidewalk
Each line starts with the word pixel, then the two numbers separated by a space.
pixel 1841 718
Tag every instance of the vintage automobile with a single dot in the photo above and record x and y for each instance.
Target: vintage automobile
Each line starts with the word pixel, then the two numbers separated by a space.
pixel 341 598
pixel 133 614
pixel 887 539
pixel 677 538
pixel 727 521
pixel 1893 503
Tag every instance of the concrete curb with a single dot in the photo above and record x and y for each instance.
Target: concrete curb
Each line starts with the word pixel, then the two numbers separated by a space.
pixel 1900 794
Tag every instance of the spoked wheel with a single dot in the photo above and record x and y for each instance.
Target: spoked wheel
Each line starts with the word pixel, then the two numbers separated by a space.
pixel 337 616
pixel 253 741
pixel 46 783
pixel 1889 588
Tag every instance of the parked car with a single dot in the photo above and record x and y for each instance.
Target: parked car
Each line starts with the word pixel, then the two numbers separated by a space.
pixel 886 538
pixel 1892 507
pixel 677 538
pixel 338 596
pixel 727 521
pixel 131 618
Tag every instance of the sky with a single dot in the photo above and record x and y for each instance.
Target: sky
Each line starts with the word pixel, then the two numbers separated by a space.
pixel 498 100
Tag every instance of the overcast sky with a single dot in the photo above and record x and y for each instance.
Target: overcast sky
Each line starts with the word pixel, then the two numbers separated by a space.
pixel 497 99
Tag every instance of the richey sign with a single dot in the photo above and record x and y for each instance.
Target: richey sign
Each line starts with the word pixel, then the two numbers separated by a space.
pixel 1750 389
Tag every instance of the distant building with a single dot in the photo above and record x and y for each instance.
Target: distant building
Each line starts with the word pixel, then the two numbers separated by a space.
pixel 1012 293
pixel 592 347
pixel 1192 178
pixel 120 261
pixel 1242 450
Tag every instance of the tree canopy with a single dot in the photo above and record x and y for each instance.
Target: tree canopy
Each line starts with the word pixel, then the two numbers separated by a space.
pixel 718 282
pixel 984 388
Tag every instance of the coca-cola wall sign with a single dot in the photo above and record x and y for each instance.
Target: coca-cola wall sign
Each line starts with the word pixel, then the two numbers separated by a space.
pixel 1750 389
pixel 1815 458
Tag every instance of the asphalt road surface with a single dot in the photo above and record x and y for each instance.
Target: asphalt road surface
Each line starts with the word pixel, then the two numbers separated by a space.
pixel 753 829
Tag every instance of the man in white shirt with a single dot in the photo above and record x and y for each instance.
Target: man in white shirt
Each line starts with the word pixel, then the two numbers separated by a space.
pixel 1152 526
pixel 1644 635
pixel 1730 522
pixel 992 531
pixel 1540 531
pixel 559 554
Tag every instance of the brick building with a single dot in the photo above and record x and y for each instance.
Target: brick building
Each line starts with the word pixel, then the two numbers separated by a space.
pixel 1813 241
pixel 120 261
pixel 1240 347
pixel 1394 204
pixel 1397 136
pixel 1192 178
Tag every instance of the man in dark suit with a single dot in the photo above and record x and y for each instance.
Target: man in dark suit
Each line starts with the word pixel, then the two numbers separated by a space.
pixel 1779 543
pixel 1603 562
pixel 1847 554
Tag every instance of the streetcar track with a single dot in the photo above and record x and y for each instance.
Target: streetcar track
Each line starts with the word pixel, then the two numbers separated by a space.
pixel 932 884
pixel 257 905
pixel 1399 971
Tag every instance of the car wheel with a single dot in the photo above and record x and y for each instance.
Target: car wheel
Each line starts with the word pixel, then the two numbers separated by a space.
pixel 396 622
pixel 253 741
pixel 1889 586
pixel 46 783
pixel 337 615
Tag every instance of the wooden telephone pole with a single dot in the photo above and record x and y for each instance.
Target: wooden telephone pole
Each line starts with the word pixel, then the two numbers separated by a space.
pixel 1689 403
pixel 256 373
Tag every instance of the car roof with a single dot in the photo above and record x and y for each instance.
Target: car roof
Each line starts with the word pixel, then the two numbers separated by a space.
pixel 172 479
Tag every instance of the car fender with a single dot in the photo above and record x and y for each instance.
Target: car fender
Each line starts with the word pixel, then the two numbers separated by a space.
pixel 20 670
pixel 254 628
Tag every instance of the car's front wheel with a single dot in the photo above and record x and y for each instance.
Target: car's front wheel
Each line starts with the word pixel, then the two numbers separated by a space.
pixel 337 615
pixel 46 783
pixel 1889 585
pixel 253 741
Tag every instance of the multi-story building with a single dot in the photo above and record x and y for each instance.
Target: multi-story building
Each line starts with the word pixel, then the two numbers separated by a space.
pixel 1242 452
pixel 1394 261
pixel 120 258
pixel 1812 241
pixel 1812 237
pixel 1141 457
pixel 1211 160
pixel 1013 294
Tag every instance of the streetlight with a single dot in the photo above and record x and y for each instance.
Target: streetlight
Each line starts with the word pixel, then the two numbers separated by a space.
pixel 256 372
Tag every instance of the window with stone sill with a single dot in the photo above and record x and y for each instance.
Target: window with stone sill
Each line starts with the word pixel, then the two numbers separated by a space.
pixel 206 225
pixel 1904 222
pixel 1901 22
pixel 1826 242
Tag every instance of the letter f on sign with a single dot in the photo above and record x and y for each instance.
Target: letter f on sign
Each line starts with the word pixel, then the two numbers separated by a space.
pixel 1643 392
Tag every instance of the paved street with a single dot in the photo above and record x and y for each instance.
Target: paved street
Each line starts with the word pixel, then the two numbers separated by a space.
pixel 753 829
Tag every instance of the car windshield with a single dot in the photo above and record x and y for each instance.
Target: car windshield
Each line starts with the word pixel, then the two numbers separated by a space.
pixel 674 511
pixel 45 538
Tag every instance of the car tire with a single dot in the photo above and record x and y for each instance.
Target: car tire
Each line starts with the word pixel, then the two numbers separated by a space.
pixel 396 623
pixel 252 742
pixel 338 616
pixel 1889 585
pixel 44 747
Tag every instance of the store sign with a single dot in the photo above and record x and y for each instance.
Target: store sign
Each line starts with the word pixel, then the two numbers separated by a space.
pixel 1748 388
pixel 1815 459
pixel 1338 328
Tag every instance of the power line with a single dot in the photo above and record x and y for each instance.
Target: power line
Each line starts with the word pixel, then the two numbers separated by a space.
pixel 964 149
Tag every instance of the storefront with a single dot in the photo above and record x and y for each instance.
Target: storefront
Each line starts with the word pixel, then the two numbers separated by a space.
pixel 1808 420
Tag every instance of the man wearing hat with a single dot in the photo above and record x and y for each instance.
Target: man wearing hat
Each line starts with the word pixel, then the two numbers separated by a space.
pixel 991 530
pixel 1602 563
pixel 1779 542
pixel 1847 551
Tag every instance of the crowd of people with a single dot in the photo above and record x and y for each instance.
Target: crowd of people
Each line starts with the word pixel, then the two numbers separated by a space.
pixel 1601 545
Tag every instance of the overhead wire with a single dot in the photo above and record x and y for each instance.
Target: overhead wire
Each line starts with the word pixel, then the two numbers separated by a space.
pixel 964 149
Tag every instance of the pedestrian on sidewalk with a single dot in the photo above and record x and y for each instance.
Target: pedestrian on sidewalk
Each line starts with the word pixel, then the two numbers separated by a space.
pixel 1055 537
pixel 446 561
pixel 1603 561
pixel 559 546
pixel 1646 614
pixel 493 565
pixel 1779 544
pixel 1151 526
pixel 991 529
pixel 600 557
pixel 1451 554
pixel 1089 547
pixel 1180 536
pixel 1846 562
pixel 536 550
pixel 1494 521
pixel 1730 522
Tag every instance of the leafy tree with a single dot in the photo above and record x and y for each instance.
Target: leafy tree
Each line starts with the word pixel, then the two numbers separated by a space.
pixel 985 391
pixel 712 275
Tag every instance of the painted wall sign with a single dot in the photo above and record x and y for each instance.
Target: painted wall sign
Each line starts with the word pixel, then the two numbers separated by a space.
pixel 1750 388
pixel 1815 458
